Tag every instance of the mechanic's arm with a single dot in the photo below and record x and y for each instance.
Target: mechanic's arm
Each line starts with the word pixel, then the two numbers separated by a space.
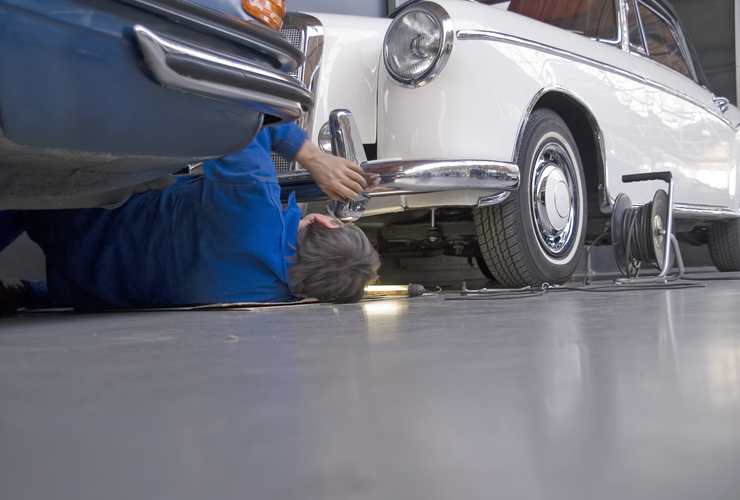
pixel 339 178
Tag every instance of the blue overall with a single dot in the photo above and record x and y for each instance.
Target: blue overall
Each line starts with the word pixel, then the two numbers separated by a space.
pixel 218 238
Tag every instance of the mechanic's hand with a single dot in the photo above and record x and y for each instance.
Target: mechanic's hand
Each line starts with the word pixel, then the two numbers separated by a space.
pixel 324 220
pixel 339 178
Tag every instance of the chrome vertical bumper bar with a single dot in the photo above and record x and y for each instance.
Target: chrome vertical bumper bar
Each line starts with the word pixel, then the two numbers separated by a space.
pixel 346 143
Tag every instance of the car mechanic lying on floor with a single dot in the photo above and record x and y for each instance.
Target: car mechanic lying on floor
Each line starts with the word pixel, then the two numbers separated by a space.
pixel 222 237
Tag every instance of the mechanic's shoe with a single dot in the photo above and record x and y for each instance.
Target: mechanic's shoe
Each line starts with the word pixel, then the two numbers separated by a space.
pixel 14 294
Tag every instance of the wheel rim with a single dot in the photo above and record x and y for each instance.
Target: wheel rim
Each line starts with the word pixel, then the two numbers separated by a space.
pixel 554 198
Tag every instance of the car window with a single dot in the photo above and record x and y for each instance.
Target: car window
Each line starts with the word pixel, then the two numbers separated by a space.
pixel 592 18
pixel 661 42
pixel 636 41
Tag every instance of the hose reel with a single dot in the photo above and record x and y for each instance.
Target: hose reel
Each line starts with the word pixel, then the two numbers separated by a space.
pixel 644 234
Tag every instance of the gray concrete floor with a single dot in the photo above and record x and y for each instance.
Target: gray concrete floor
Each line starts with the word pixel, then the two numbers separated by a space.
pixel 562 395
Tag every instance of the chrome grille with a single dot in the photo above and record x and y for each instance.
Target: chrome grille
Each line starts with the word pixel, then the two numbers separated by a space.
pixel 281 164
pixel 306 33
pixel 294 36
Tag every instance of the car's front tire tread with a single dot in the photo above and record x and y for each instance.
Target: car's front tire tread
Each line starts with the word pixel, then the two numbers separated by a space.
pixel 507 259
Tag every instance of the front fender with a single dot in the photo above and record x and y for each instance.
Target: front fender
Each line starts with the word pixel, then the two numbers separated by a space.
pixel 348 77
pixel 468 111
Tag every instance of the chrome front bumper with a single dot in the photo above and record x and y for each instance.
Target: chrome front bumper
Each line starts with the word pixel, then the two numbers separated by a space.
pixel 418 176
pixel 492 180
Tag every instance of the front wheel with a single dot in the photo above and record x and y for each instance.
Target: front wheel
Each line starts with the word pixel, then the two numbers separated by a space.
pixel 536 236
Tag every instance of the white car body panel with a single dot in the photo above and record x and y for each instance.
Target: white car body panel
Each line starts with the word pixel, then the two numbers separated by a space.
pixel 435 121
pixel 690 137
pixel 348 77
pixel 467 126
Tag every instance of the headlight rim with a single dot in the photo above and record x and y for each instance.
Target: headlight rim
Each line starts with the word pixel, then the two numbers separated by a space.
pixel 443 54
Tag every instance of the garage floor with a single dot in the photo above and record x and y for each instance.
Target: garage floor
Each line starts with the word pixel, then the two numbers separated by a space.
pixel 631 394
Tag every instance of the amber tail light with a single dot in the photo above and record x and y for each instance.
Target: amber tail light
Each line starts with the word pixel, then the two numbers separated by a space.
pixel 268 11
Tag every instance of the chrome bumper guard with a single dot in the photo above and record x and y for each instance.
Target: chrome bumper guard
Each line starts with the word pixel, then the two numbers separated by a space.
pixel 399 177
pixel 197 71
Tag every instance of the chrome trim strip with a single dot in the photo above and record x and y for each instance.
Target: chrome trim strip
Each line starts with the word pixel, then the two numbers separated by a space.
pixel 712 110
pixel 599 136
pixel 703 212
pixel 623 20
pixel 500 37
pixel 417 176
pixel 263 89
pixel 533 103
pixel 493 36
pixel 445 48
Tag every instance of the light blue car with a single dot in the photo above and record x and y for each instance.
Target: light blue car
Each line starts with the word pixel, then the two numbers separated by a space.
pixel 97 96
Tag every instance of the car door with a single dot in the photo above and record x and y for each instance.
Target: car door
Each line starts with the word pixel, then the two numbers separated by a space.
pixel 690 136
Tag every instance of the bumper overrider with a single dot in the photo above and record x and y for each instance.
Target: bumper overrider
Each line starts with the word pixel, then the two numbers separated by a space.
pixel 494 179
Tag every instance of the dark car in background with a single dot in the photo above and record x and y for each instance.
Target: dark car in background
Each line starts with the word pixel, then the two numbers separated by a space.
pixel 99 96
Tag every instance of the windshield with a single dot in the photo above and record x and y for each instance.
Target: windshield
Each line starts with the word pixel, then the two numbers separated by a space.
pixel 592 18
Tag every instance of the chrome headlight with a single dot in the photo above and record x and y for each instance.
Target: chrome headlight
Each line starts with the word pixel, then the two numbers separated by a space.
pixel 324 139
pixel 418 43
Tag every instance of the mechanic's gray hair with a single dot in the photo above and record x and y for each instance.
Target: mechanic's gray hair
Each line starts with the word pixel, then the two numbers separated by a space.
pixel 334 264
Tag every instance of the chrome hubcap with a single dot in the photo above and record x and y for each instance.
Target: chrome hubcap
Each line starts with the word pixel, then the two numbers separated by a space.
pixel 554 200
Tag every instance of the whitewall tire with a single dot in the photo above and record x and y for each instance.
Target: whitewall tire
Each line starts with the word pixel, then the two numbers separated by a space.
pixel 536 236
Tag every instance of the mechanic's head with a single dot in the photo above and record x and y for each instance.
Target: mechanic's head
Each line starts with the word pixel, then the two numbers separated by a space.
pixel 334 261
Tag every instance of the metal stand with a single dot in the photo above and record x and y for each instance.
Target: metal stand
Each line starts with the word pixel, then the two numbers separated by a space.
pixel 663 277
pixel 587 277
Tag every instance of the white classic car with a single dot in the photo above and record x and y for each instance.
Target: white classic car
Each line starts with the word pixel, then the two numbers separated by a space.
pixel 502 130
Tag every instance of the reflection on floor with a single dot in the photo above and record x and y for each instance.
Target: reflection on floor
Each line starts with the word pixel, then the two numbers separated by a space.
pixel 563 394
